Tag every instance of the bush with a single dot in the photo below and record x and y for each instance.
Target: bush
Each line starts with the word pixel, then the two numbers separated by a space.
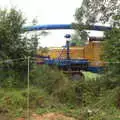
pixel 14 101
pixel 11 79
pixel 56 84
pixel 48 78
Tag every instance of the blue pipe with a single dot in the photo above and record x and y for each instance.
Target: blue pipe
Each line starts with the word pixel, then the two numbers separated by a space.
pixel 48 27
pixel 62 26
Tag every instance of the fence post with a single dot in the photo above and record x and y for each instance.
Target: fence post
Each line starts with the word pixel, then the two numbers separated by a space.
pixel 28 88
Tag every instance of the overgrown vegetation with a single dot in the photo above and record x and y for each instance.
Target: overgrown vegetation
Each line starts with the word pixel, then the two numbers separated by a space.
pixel 91 12
pixel 14 47
pixel 52 91
pixel 95 98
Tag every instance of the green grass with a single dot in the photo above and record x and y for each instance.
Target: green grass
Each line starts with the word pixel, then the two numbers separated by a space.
pixel 14 103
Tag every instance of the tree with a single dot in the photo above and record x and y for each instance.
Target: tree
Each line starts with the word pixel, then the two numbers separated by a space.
pixel 79 38
pixel 111 48
pixel 104 12
pixel 96 11
pixel 14 45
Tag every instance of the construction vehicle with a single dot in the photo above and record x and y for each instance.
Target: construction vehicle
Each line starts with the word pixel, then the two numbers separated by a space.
pixel 73 60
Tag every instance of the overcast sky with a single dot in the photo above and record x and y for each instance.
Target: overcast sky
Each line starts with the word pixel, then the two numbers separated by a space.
pixel 47 12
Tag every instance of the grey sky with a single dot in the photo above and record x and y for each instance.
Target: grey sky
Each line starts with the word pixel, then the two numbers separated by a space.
pixel 47 12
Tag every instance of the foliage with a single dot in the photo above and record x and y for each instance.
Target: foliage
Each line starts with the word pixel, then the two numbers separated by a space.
pixel 94 11
pixel 14 101
pixel 43 50
pixel 47 78
pixel 50 88
pixel 112 54
pixel 14 45
pixel 107 12
pixel 79 38
pixel 56 84
pixel 53 92
pixel 111 46
pixel 70 92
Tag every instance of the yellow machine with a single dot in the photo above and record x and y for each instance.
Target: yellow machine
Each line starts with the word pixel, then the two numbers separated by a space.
pixel 91 51
pixel 85 58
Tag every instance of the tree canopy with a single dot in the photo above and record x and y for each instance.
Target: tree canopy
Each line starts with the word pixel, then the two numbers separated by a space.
pixel 14 45
pixel 96 11
pixel 103 12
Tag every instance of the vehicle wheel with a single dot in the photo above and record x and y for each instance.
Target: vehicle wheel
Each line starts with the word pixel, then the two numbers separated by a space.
pixel 78 76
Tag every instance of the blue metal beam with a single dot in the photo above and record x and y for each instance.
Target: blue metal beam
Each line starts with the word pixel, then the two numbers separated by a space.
pixel 48 27
pixel 62 26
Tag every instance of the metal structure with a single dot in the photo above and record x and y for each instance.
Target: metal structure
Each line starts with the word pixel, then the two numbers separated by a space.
pixel 62 26
pixel 68 65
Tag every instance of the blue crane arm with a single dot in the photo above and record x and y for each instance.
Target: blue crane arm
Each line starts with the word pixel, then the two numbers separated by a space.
pixel 62 26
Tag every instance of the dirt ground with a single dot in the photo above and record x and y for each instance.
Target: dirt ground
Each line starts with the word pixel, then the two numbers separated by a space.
pixel 49 116
pixel 3 117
